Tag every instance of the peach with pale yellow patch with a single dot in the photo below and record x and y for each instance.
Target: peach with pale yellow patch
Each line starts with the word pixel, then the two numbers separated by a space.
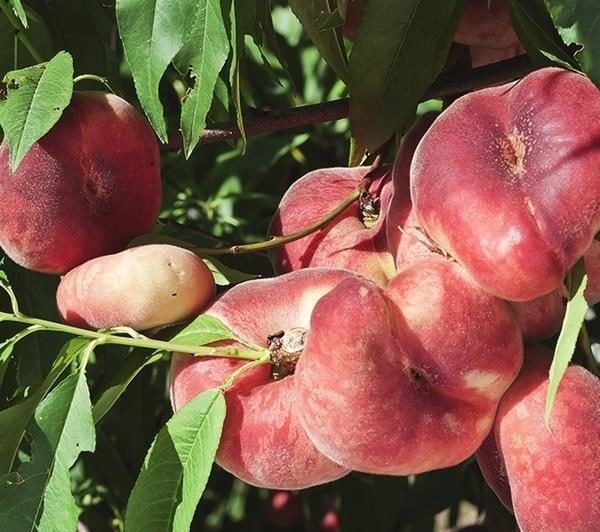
pixel 142 287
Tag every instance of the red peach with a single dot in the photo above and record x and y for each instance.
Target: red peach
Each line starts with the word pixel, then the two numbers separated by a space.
pixel 263 442
pixel 507 176
pixel 347 241
pixel 413 383
pixel 143 287
pixel 538 319
pixel 554 475
pixel 85 189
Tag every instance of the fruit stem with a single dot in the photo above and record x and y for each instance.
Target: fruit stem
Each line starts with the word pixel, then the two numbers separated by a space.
pixel 227 383
pixel 277 241
pixel 93 77
pixel 20 31
pixel 138 341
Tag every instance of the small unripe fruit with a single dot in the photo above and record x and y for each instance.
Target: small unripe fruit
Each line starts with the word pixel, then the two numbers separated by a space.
pixel 143 287
pixel 85 189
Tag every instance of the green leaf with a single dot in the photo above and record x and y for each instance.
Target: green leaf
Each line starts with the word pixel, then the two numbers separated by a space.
pixel 63 428
pixel 177 467
pixel 329 42
pixel 226 276
pixel 202 331
pixel 37 96
pixel 123 376
pixel 393 62
pixel 202 57
pixel 239 14
pixel 538 35
pixel 153 32
pixel 567 339
pixel 17 7
pixel 14 419
pixel 577 23
pixel 86 29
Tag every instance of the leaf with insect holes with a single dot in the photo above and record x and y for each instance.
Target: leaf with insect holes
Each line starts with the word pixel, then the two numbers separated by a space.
pixel 37 96
pixel 202 57
pixel 394 61
pixel 177 467
pixel 152 33
pixel 62 429
pixel 565 346
pixel 14 419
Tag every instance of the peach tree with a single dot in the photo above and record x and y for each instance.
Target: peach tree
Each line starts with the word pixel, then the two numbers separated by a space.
pixel 299 265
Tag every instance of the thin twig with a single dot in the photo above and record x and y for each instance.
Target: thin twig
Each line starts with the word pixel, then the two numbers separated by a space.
pixel 277 241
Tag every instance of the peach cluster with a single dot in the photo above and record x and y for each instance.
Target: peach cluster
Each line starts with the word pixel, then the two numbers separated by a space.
pixel 397 332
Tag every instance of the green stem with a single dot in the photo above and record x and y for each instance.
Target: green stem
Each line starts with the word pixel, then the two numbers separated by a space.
pixel 147 343
pixel 278 241
pixel 21 31
pixel 227 383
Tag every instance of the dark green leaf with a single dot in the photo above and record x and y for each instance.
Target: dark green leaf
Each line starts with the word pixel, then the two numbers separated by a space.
pixel 177 467
pixel 38 36
pixel 37 97
pixel 14 419
pixel 85 29
pixel 238 17
pixel 329 42
pixel 577 23
pixel 394 60
pixel 153 32
pixel 118 382
pixel 6 348
pixel 537 33
pixel 567 340
pixel 63 428
pixel 202 331
pixel 202 57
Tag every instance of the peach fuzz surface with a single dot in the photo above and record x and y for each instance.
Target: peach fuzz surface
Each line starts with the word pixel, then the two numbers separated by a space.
pixel 413 382
pixel 551 478
pixel 85 189
pixel 508 175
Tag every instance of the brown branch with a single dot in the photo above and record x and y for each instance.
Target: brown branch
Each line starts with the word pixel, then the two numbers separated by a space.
pixel 444 86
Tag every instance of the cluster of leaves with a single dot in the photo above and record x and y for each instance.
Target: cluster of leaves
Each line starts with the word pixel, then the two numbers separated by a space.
pixel 192 63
